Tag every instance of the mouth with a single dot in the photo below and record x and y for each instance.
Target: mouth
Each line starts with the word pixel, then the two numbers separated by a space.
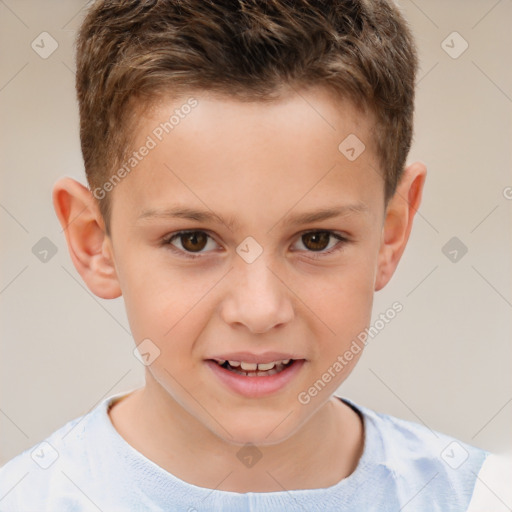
pixel 256 379
pixel 247 369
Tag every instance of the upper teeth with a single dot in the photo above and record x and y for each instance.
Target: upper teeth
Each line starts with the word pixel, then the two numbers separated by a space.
pixel 255 366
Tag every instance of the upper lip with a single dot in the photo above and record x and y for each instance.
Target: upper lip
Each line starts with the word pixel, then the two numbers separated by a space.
pixel 249 357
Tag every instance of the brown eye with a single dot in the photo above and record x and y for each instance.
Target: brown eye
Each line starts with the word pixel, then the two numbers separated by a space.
pixel 190 243
pixel 194 241
pixel 319 244
pixel 316 241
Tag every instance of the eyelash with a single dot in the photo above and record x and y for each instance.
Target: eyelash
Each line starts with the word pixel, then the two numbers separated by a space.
pixel 314 254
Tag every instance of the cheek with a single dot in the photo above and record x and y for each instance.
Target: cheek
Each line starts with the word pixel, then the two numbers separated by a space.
pixel 167 306
pixel 342 307
pixel 342 298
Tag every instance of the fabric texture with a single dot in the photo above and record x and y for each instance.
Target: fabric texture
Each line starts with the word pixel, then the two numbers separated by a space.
pixel 87 466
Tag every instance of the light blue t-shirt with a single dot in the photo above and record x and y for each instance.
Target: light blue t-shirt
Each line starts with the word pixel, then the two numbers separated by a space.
pixel 87 466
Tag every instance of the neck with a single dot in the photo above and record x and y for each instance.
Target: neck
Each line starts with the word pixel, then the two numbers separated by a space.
pixel 321 453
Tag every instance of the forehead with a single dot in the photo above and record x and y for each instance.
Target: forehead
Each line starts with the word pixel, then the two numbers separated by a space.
pixel 304 113
pixel 207 149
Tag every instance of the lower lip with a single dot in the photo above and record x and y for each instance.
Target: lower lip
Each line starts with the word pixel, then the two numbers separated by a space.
pixel 255 387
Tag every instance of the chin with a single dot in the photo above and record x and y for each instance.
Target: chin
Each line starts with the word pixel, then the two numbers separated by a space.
pixel 257 429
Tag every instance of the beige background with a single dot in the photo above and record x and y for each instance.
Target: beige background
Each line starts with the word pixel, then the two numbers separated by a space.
pixel 445 360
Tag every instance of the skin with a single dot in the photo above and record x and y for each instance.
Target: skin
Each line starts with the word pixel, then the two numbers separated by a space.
pixel 259 163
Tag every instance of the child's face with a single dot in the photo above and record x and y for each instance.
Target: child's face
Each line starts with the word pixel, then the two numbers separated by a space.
pixel 260 166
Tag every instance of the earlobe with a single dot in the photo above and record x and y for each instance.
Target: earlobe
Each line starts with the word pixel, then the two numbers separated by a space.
pixel 88 244
pixel 398 222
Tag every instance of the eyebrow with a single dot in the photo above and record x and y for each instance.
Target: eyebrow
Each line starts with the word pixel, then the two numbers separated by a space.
pixel 208 216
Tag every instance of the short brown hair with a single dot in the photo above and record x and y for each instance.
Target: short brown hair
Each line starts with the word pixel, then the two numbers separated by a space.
pixel 131 51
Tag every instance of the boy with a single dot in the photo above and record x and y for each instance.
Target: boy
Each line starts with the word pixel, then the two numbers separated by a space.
pixel 248 194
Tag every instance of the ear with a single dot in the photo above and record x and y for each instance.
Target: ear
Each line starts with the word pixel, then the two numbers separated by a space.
pixel 89 246
pixel 398 221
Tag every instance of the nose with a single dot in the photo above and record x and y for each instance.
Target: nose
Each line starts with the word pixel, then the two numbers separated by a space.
pixel 258 297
